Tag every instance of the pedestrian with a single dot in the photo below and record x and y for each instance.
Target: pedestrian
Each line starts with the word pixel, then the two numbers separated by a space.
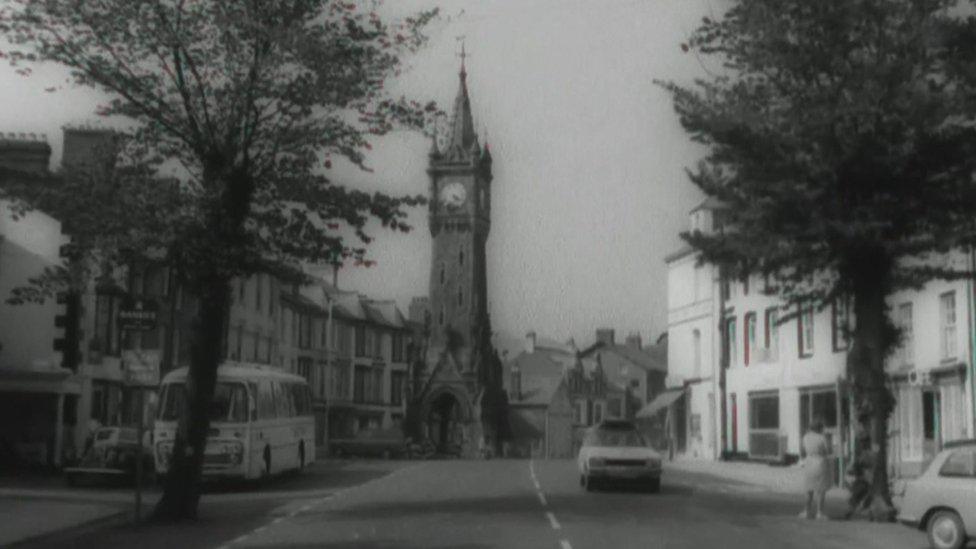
pixel 816 470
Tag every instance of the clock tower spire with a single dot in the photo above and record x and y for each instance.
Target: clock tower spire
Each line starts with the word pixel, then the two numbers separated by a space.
pixel 461 367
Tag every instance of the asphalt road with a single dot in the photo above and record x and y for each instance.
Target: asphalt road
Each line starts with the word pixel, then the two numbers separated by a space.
pixel 503 504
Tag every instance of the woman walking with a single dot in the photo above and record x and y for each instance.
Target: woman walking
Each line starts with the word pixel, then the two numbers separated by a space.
pixel 816 470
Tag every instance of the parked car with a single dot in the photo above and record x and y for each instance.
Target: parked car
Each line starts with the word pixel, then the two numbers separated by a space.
pixel 614 451
pixel 942 501
pixel 377 443
pixel 112 454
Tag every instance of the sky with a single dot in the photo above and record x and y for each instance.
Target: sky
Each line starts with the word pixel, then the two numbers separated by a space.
pixel 589 190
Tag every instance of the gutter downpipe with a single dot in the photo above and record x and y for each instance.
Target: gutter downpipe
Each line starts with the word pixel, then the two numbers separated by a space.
pixel 723 361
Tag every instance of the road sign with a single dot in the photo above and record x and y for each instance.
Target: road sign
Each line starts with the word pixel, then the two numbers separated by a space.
pixel 138 315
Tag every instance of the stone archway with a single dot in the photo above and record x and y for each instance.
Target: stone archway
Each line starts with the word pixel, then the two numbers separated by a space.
pixel 446 416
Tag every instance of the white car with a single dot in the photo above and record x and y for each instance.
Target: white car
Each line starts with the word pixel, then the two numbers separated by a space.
pixel 614 451
pixel 942 501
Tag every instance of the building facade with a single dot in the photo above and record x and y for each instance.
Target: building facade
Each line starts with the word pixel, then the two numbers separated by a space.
pixel 762 380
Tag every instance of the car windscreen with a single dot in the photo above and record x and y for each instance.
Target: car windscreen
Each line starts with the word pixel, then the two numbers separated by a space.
pixel 614 438
pixel 229 402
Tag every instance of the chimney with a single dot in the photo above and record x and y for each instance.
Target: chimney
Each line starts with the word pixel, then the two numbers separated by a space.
pixel 418 309
pixel 516 383
pixel 634 341
pixel 530 342
pixel 25 153
pixel 605 336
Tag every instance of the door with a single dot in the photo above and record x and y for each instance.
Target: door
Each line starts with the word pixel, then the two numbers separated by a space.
pixel 735 425
pixel 931 424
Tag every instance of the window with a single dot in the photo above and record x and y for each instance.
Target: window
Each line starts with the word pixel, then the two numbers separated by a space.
pixel 461 257
pixel 840 324
pixel 771 332
pixel 818 404
pixel 360 341
pixel 257 346
pixel 696 339
pixel 396 387
pixel 266 400
pixel 397 352
pixel 359 384
pixel 750 337
pixel 764 425
pixel 961 463
pixel 906 324
pixel 258 294
pixel 597 412
pixel 930 414
pixel 238 352
pixel 947 303
pixel 805 330
pixel 105 338
pixel 305 368
pixel 377 344
pixel 730 344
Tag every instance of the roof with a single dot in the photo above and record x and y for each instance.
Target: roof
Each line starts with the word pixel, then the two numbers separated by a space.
pixel 651 359
pixel 660 402
pixel 540 393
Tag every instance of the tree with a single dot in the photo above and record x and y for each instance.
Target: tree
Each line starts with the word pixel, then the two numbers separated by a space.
pixel 246 102
pixel 840 138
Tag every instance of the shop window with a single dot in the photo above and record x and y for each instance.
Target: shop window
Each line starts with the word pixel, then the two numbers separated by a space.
pixel 764 425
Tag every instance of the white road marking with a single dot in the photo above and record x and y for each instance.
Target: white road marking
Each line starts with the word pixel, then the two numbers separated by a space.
pixel 277 520
pixel 240 539
pixel 552 521
pixel 542 499
pixel 565 544
pixel 259 529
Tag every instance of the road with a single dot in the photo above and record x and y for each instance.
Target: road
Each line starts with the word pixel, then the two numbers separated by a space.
pixel 510 504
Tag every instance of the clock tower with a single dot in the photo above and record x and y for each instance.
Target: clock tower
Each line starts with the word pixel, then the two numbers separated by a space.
pixel 458 402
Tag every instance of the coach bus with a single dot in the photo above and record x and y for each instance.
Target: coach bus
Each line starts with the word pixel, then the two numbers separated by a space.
pixel 261 422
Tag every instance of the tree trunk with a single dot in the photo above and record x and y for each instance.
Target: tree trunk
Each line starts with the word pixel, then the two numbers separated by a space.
pixel 217 251
pixel 182 487
pixel 873 340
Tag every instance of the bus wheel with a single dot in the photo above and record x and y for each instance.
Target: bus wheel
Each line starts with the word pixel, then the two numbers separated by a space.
pixel 267 460
pixel 301 455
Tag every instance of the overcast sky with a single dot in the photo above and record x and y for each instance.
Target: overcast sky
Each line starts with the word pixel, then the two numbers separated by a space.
pixel 589 191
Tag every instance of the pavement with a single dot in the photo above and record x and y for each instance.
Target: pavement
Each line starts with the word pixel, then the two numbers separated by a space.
pixel 41 511
pixel 455 504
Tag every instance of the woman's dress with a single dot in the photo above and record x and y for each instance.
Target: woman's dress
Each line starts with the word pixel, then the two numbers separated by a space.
pixel 816 469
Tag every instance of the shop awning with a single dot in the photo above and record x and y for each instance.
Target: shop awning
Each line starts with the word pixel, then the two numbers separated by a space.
pixel 660 402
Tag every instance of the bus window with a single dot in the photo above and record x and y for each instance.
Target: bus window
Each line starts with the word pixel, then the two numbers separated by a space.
pixel 283 401
pixel 229 403
pixel 266 401
pixel 302 403
pixel 252 404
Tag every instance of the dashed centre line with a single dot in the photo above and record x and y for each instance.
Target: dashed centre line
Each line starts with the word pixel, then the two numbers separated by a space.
pixel 542 499
pixel 565 544
pixel 552 520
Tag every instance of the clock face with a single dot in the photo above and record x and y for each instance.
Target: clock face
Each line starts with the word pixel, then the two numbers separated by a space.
pixel 453 195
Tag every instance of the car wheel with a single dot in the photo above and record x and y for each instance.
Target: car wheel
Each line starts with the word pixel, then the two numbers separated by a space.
pixel 654 486
pixel 946 531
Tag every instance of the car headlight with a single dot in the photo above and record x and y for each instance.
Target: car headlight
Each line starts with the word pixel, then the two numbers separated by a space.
pixel 596 462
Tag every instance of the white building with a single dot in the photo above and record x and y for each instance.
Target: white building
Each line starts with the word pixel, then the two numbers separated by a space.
pixel 780 376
